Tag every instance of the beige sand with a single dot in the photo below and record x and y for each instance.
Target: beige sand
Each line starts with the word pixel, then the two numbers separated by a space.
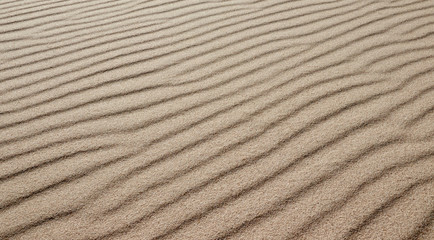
pixel 236 119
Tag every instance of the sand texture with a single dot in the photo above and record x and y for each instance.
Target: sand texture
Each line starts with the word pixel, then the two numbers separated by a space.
pixel 214 119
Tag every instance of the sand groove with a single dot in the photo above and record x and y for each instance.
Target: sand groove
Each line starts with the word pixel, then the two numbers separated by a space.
pixel 237 119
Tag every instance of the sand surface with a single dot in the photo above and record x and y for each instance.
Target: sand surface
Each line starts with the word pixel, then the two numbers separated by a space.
pixel 236 119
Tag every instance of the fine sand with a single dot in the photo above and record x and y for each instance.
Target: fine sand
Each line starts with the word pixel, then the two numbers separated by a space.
pixel 214 119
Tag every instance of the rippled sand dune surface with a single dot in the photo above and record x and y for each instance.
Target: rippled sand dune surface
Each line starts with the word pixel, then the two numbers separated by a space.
pixel 216 119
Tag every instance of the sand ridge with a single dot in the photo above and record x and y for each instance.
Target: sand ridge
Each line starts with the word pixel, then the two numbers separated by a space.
pixel 236 119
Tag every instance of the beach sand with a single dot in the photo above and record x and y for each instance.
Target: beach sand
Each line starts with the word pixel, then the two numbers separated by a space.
pixel 236 119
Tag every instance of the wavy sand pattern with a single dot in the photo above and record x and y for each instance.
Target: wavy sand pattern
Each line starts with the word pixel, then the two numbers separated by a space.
pixel 236 119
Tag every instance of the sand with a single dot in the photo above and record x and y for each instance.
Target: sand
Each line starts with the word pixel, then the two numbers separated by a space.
pixel 237 119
